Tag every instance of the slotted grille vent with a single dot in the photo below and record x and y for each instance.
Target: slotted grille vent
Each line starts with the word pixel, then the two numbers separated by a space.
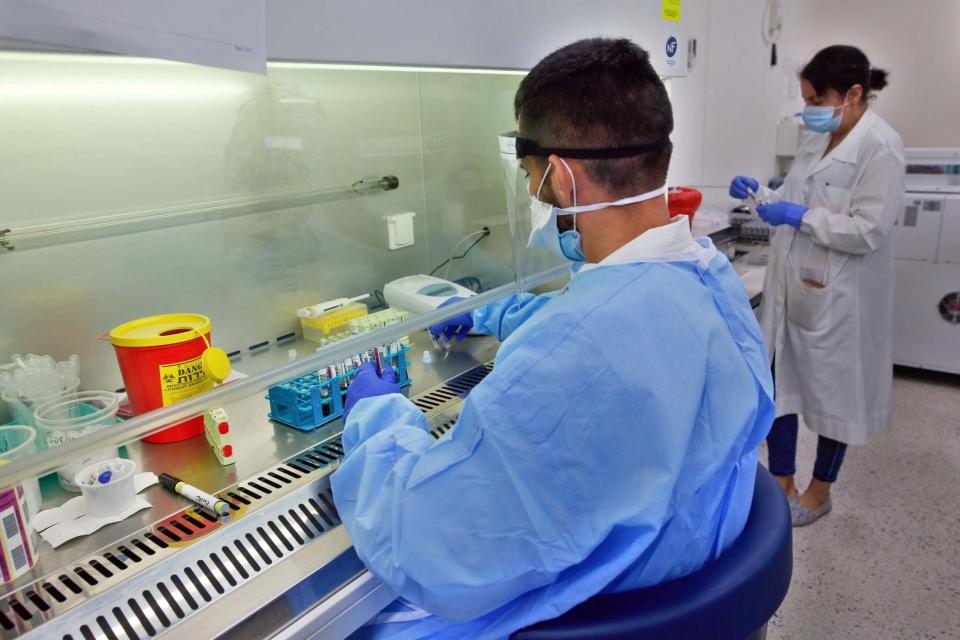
pixel 244 551
pixel 95 574
pixel 185 588
pixel 452 392
pixel 442 428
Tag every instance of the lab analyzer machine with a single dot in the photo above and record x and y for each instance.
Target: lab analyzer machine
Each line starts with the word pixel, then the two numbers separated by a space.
pixel 927 263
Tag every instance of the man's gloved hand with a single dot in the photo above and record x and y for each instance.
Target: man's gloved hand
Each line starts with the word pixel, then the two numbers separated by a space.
pixel 455 327
pixel 368 384
pixel 782 212
pixel 741 186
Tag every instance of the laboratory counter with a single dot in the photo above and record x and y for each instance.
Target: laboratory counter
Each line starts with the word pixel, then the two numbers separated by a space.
pixel 147 574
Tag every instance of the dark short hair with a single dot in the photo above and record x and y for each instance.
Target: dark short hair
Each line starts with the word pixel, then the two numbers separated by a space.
pixel 600 93
pixel 839 67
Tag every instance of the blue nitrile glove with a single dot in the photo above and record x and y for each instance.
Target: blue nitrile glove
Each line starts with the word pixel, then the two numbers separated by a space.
pixel 782 212
pixel 455 327
pixel 368 384
pixel 741 186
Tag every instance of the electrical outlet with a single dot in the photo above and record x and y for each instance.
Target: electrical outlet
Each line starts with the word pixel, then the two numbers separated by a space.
pixel 400 230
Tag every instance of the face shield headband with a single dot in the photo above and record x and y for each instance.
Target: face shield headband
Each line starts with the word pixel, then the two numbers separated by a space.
pixel 527 147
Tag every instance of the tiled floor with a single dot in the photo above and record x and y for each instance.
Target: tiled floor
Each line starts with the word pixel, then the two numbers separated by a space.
pixel 886 562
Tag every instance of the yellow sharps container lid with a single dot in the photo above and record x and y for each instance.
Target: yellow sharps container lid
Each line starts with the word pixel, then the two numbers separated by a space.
pixel 215 364
pixel 156 331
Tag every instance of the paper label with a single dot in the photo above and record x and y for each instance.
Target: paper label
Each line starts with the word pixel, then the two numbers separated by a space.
pixel 670 10
pixel 16 557
pixel 87 524
pixel 183 380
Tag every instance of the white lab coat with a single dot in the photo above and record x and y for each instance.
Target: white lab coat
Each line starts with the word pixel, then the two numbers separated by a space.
pixel 833 346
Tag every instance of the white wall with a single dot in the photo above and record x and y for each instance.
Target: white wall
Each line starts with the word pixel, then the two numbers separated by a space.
pixel 728 106
pixel 687 96
pixel 917 42
pixel 738 127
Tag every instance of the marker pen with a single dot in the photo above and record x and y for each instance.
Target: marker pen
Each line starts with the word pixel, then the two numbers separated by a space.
pixel 190 492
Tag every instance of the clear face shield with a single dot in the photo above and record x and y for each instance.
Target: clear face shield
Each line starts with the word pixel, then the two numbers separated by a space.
pixel 528 260
pixel 533 255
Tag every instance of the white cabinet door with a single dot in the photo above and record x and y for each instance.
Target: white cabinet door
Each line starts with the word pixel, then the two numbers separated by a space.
pixel 917 231
pixel 950 233
pixel 926 332
pixel 504 34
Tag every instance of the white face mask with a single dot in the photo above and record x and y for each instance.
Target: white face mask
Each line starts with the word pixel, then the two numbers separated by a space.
pixel 543 217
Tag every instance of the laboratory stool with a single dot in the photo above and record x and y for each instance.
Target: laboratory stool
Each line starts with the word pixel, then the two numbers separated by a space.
pixel 731 598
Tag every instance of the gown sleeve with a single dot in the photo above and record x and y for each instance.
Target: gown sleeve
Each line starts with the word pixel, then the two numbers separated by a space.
pixel 503 317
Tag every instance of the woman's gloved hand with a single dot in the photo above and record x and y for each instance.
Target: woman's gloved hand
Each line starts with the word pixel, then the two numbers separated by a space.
pixel 456 327
pixel 741 186
pixel 368 384
pixel 782 212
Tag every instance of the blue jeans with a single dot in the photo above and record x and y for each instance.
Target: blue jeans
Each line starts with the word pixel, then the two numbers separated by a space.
pixel 782 449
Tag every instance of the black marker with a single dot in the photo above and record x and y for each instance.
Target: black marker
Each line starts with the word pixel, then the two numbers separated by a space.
pixel 190 492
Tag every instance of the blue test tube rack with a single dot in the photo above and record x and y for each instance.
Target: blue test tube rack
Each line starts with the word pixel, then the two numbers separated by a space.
pixel 300 403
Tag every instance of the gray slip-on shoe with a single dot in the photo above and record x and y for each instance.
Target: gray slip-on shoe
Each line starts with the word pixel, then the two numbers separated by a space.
pixel 801 516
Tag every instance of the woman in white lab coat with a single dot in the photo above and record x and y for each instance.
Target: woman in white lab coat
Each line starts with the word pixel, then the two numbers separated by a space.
pixel 827 311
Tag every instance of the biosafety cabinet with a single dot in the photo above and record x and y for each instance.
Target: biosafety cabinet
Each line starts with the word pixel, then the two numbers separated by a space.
pixel 135 187
pixel 927 265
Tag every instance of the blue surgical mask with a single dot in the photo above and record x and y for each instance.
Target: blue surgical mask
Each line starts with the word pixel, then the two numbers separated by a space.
pixel 821 119
pixel 544 217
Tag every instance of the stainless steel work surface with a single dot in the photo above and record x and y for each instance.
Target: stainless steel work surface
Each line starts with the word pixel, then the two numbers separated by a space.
pixel 258 442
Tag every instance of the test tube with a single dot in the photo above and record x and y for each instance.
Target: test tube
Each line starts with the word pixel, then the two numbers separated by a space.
pixel 444 345
pixel 324 386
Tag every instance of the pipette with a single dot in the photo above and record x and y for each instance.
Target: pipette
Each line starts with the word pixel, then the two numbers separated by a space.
pixel 315 310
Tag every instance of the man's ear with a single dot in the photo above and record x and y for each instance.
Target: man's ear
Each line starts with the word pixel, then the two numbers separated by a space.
pixel 562 182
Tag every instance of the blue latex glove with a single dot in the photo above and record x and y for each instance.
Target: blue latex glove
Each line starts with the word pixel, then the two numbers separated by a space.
pixel 368 384
pixel 782 212
pixel 741 186
pixel 455 327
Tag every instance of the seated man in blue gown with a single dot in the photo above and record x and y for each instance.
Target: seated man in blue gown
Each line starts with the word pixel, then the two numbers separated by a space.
pixel 614 445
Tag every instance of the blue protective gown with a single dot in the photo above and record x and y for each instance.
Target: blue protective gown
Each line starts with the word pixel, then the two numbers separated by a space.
pixel 613 447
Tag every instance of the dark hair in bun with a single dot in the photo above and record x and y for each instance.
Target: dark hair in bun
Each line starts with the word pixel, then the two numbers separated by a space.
pixel 878 79
pixel 840 67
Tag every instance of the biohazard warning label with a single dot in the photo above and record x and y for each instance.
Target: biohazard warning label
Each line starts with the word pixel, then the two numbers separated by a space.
pixel 182 380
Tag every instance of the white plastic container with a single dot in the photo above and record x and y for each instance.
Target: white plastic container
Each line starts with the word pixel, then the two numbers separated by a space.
pixel 73 416
pixel 112 497
pixel 22 410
